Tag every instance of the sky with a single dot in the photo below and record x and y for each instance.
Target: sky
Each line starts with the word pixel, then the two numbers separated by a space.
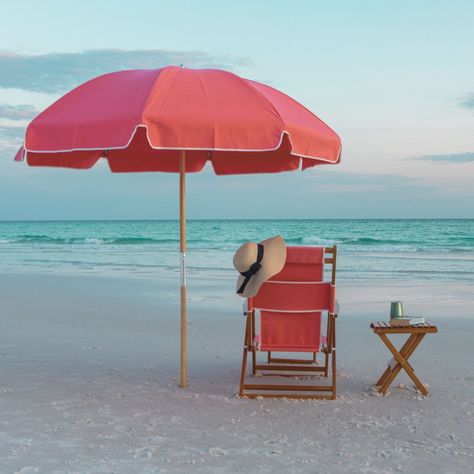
pixel 395 80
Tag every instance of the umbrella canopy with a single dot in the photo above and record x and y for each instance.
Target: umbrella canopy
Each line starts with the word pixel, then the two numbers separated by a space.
pixel 176 120
pixel 139 119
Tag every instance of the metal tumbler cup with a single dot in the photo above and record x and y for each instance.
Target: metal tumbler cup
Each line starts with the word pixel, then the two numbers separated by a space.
pixel 396 310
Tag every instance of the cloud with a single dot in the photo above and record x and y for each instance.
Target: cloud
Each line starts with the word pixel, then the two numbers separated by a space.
pixel 59 72
pixel 13 134
pixel 467 101
pixel 332 181
pixel 41 193
pixel 17 112
pixel 448 158
pixel 350 188
pixel 11 139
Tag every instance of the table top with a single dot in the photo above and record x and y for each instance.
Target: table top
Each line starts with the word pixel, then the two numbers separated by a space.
pixel 386 327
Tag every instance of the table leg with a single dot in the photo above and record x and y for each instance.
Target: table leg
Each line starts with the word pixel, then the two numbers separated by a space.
pixel 406 351
pixel 402 362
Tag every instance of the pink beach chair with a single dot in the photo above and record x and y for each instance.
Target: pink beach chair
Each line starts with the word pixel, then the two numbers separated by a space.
pixel 288 309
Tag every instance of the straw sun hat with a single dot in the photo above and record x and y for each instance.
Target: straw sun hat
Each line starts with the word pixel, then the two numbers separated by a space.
pixel 257 263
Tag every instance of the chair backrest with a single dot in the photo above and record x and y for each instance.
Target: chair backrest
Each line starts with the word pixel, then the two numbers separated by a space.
pixel 300 282
pixel 302 264
pixel 291 302
pixel 295 297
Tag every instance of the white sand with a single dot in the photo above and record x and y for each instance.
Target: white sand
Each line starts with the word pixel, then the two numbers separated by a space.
pixel 88 383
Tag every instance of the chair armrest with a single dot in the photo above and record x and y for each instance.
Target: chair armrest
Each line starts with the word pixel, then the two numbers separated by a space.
pixel 336 307
pixel 245 307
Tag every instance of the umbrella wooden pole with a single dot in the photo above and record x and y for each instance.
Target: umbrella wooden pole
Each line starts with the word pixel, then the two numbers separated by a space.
pixel 182 248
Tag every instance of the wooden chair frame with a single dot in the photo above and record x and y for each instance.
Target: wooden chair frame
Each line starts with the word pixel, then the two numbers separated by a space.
pixel 289 367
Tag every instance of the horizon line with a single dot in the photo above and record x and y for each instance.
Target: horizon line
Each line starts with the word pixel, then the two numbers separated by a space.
pixel 248 219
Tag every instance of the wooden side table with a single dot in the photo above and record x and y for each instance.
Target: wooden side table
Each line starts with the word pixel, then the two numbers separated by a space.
pixel 400 358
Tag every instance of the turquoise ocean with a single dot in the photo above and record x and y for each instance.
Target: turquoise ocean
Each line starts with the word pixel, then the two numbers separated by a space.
pixel 441 250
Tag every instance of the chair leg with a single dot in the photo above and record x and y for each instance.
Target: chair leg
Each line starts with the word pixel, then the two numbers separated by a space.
pixel 242 373
pixel 254 361
pixel 252 344
pixel 334 374
pixel 328 345
pixel 244 357
pixel 333 345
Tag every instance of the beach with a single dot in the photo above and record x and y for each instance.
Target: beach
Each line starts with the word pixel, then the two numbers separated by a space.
pixel 90 365
pixel 154 156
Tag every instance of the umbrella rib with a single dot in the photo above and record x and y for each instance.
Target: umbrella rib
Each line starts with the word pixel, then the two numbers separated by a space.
pixel 272 107
pixel 210 106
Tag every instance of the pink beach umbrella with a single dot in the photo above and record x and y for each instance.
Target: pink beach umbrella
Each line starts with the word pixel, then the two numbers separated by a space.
pixel 176 120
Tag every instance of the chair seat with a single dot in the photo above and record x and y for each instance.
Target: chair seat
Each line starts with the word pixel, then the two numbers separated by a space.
pixel 277 348
pixel 292 332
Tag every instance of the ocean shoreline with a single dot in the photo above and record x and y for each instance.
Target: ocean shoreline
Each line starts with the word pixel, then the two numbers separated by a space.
pixel 367 250
pixel 423 296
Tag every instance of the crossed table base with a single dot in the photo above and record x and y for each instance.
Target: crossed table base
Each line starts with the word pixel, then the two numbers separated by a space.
pixel 400 358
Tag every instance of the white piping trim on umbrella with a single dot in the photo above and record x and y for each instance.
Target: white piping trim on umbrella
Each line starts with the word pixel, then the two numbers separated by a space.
pixel 188 149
